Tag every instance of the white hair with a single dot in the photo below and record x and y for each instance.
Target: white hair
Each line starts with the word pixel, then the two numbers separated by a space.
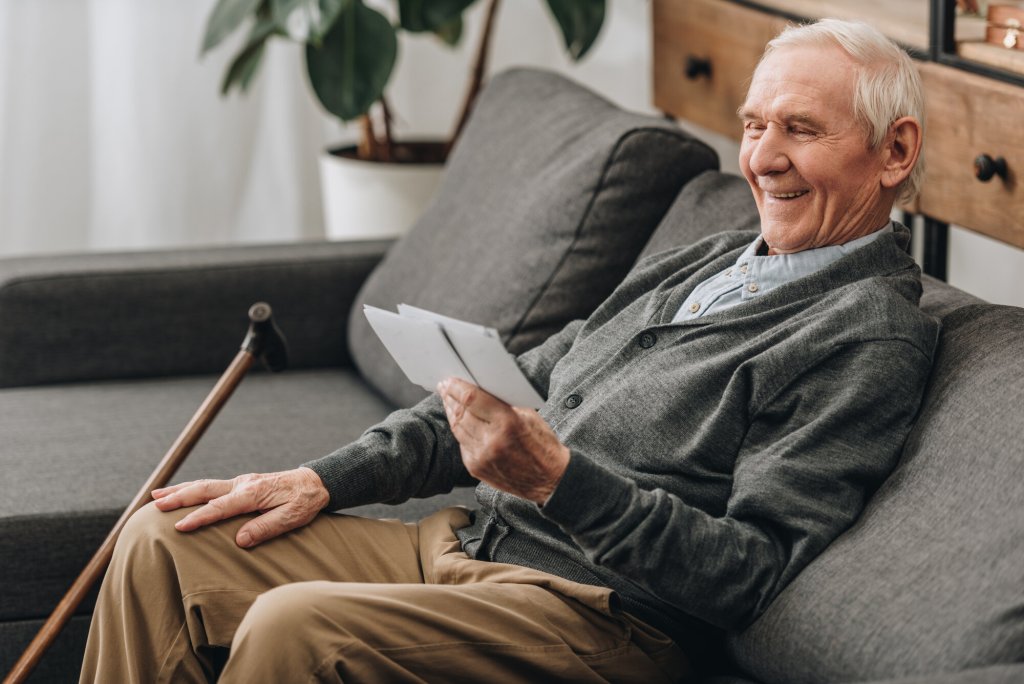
pixel 887 86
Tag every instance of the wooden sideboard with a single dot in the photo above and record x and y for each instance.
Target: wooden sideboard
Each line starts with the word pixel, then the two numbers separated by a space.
pixel 706 50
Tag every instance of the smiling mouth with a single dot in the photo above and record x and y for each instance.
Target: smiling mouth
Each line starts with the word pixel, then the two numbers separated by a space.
pixel 787 195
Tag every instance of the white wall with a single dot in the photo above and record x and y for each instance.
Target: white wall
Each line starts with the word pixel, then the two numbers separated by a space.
pixel 113 135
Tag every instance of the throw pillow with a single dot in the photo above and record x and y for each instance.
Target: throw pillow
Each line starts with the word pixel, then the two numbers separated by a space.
pixel 548 197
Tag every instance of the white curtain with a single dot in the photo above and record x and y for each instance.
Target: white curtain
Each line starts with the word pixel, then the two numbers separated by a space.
pixel 113 134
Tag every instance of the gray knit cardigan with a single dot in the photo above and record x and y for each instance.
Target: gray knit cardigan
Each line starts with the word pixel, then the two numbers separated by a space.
pixel 711 459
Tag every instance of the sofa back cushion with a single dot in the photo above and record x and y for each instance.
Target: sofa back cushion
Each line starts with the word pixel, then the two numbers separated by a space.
pixel 547 199
pixel 931 578
pixel 710 203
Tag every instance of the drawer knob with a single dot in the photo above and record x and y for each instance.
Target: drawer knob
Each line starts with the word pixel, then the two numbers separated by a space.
pixel 697 67
pixel 985 167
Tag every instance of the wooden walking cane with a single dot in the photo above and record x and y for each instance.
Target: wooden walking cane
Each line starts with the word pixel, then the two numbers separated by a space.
pixel 263 341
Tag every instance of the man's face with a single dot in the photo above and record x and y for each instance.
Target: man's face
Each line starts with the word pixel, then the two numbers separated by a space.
pixel 807 160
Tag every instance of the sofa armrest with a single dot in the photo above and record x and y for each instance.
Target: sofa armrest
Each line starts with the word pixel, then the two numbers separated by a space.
pixel 160 313
pixel 1010 673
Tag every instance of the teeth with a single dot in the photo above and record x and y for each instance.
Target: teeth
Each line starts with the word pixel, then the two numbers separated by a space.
pixel 786 195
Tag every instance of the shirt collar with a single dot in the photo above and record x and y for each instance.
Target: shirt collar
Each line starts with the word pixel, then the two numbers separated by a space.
pixel 765 273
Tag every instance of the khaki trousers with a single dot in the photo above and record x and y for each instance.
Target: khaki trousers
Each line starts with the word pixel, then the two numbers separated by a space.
pixel 349 599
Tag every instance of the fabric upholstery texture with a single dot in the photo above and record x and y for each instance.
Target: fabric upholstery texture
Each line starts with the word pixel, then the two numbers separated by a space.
pixel 939 299
pixel 107 316
pixel 994 674
pixel 62 661
pixel 547 200
pixel 710 203
pixel 931 578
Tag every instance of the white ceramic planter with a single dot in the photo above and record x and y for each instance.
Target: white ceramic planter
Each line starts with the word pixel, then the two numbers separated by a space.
pixel 374 200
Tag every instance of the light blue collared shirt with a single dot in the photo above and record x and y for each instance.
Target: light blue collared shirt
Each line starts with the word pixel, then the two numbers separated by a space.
pixel 752 275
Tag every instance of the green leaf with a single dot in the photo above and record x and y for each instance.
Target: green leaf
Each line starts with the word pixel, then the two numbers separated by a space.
pixel 450 33
pixel 580 21
pixel 246 63
pixel 330 10
pixel 225 18
pixel 435 16
pixel 349 70
pixel 306 20
pixel 242 69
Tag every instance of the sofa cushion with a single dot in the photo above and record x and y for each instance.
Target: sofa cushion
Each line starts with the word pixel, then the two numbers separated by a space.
pixel 91 316
pixel 939 299
pixel 102 440
pixel 931 578
pixel 710 203
pixel 547 200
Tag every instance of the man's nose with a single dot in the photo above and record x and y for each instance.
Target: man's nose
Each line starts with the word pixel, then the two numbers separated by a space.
pixel 769 155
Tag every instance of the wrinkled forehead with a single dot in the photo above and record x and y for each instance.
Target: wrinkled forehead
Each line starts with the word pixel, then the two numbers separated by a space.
pixel 814 75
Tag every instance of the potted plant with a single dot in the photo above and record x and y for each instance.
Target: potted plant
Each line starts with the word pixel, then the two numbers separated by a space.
pixel 351 49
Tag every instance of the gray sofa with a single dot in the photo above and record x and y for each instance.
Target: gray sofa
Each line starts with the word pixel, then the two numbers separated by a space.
pixel 550 197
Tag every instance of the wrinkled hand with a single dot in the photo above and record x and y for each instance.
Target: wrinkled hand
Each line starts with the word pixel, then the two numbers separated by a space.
pixel 286 500
pixel 510 448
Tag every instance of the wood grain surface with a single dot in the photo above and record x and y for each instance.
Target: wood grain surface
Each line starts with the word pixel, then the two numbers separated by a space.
pixel 969 115
pixel 731 37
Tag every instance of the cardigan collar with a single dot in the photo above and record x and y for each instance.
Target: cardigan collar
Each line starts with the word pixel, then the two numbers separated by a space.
pixel 885 255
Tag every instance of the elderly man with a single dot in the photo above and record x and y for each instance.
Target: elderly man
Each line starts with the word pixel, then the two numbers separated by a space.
pixel 712 427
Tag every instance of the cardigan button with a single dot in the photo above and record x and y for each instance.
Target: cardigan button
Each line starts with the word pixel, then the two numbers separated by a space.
pixel 648 339
pixel 573 400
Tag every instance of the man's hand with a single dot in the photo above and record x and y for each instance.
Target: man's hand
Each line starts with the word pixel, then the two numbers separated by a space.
pixel 509 448
pixel 286 500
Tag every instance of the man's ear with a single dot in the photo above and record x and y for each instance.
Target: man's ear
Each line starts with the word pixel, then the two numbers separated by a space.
pixel 901 149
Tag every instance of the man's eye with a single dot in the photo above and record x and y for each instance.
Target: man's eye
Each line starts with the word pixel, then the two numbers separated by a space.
pixel 800 132
pixel 753 127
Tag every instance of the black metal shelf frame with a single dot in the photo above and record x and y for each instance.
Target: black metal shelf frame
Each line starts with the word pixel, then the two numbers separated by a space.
pixel 942 40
